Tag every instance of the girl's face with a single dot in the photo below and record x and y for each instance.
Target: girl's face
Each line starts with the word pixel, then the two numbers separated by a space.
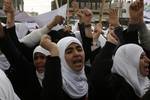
pixel 39 62
pixel 144 64
pixel 75 56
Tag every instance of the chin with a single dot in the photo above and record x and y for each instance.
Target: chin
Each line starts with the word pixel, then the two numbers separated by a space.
pixel 79 69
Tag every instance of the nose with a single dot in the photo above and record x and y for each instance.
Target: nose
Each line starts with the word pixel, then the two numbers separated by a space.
pixel 147 59
pixel 77 53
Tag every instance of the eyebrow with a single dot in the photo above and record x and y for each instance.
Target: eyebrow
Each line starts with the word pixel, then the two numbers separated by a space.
pixel 70 48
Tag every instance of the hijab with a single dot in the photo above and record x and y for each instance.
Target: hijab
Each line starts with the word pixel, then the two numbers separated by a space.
pixel 126 64
pixel 6 89
pixel 74 83
pixel 41 50
pixel 46 53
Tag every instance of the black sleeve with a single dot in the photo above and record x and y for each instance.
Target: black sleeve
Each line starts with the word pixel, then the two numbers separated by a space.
pixel 86 42
pixel 52 82
pixel 146 96
pixel 12 33
pixel 93 54
pixel 22 47
pixel 15 57
pixel 100 70
pixel 100 66
pixel 130 35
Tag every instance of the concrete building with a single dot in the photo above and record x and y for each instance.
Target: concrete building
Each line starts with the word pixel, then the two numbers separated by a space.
pixel 95 5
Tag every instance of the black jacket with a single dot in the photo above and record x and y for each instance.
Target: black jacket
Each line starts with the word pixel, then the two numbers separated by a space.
pixel 52 82
pixel 24 79
pixel 106 85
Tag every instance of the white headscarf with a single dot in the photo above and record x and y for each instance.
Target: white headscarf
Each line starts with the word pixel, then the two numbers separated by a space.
pixel 41 50
pixel 126 63
pixel 46 53
pixel 4 64
pixel 74 83
pixel 6 89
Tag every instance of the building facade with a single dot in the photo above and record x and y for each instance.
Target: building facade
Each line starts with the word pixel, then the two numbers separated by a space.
pixel 18 4
pixel 95 5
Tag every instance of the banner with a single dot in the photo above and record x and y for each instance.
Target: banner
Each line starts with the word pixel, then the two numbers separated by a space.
pixel 42 19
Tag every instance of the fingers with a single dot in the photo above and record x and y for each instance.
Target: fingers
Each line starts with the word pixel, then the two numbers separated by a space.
pixel 113 17
pixel 98 28
pixel 8 6
pixel 49 45
pixel 59 19
pixel 136 12
pixel 45 41
pixel 56 20
pixel 112 38
pixel 137 5
pixel 80 13
pixel 113 12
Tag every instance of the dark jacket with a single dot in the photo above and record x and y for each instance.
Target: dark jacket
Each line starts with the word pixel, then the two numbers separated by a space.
pixel 106 85
pixel 87 43
pixel 24 79
pixel 52 82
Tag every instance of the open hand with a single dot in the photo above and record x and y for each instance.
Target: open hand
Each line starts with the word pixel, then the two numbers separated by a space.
pixel 8 7
pixel 97 31
pixel 113 17
pixel 112 37
pixel 57 20
pixel 136 12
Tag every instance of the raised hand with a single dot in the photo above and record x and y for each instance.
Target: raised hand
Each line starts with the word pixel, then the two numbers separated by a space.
pixel 9 10
pixel 85 16
pixel 97 31
pixel 112 37
pixel 49 45
pixel 113 18
pixel 136 12
pixel 8 6
pixel 57 20
pixel 75 6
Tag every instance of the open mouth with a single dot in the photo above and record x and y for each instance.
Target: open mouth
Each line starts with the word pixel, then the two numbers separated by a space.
pixel 77 61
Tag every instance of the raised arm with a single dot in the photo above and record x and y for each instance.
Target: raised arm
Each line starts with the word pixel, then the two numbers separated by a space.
pixel 24 70
pixel 144 32
pixel 34 37
pixel 136 24
pixel 101 68
pixel 9 10
pixel 52 82
pixel 11 51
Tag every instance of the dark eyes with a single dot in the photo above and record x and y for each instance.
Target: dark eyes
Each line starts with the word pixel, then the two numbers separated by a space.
pixel 71 50
pixel 143 55
pixel 39 57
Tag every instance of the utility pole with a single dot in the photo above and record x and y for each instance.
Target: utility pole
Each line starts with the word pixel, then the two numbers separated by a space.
pixel 68 6
pixel 57 5
pixel 101 10
pixel 22 5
